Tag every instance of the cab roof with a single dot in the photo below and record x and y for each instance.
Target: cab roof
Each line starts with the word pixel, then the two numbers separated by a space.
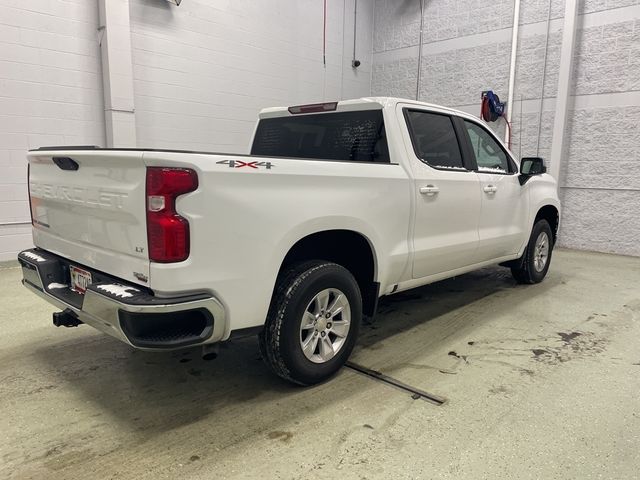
pixel 364 103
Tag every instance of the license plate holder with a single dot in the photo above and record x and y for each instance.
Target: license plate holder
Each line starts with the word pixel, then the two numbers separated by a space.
pixel 80 279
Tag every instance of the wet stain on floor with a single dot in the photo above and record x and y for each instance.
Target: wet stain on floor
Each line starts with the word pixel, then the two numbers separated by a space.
pixel 280 435
pixel 574 345
pixel 453 353
pixel 567 337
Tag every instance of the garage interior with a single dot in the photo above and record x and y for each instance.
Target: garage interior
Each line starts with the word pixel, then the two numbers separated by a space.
pixel 537 381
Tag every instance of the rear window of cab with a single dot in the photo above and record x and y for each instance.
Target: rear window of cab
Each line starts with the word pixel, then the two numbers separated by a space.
pixel 357 136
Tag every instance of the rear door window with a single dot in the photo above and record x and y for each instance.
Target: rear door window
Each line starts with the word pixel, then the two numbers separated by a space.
pixel 348 136
pixel 434 139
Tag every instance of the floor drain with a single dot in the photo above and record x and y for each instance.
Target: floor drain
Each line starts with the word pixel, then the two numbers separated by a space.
pixel 416 393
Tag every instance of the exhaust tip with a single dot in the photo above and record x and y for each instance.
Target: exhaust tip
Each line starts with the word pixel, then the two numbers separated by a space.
pixel 210 351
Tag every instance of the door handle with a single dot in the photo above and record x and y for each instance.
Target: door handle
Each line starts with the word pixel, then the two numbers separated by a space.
pixel 429 190
pixel 490 189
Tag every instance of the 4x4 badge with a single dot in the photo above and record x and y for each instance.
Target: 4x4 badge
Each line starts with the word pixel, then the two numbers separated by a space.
pixel 240 164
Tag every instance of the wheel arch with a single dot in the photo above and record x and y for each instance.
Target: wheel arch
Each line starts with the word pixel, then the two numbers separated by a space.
pixel 551 214
pixel 348 248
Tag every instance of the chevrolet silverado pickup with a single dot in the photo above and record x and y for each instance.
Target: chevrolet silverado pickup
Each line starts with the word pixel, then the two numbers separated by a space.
pixel 337 205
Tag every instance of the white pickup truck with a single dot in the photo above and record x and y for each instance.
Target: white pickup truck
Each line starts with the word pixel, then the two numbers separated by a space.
pixel 337 205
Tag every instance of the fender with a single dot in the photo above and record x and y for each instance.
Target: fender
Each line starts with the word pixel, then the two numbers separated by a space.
pixel 544 190
pixel 323 224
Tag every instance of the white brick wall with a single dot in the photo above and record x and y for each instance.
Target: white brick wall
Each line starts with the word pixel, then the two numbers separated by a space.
pixel 465 51
pixel 203 70
pixel 201 73
pixel 50 95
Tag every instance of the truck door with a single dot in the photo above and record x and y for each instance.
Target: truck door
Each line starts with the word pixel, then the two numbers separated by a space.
pixel 504 216
pixel 447 191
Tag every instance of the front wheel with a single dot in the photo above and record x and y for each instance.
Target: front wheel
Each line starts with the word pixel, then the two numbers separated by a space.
pixel 313 322
pixel 534 264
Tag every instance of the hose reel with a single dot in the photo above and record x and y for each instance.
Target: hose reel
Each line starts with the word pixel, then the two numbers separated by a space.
pixel 491 109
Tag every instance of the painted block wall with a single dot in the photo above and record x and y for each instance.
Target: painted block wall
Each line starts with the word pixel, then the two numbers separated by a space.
pixel 201 73
pixel 50 94
pixel 466 49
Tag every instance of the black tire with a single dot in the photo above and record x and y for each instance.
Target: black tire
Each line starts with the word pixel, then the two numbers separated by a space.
pixel 525 270
pixel 280 340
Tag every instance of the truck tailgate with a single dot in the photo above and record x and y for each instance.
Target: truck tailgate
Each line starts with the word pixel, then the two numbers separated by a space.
pixel 95 214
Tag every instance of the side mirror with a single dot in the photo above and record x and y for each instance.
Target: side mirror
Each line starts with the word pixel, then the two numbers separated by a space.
pixel 530 166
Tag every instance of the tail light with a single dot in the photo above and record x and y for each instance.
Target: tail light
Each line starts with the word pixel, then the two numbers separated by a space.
pixel 168 232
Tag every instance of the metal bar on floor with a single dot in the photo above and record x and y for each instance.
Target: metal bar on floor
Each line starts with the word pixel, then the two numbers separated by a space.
pixel 416 393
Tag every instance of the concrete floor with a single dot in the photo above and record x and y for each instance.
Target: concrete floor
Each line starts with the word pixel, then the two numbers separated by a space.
pixel 542 382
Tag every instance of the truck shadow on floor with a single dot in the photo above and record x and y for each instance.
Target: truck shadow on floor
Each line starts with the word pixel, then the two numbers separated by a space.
pixel 406 311
pixel 149 393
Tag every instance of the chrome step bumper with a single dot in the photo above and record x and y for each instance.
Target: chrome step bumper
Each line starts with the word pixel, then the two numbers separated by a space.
pixel 128 312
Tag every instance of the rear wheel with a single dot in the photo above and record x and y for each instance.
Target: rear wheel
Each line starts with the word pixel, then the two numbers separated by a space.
pixel 313 322
pixel 534 264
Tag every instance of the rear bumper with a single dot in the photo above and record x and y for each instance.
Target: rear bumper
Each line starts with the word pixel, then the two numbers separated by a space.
pixel 125 311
